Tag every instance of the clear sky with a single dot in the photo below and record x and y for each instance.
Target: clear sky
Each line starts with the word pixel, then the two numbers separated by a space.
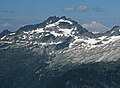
pixel 16 13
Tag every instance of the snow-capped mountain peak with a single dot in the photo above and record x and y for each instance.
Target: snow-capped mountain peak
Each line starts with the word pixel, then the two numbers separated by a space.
pixel 58 23
pixel 65 41
pixel 95 26
pixel 82 51
pixel 61 31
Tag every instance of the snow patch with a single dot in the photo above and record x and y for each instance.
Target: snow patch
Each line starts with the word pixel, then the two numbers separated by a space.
pixel 102 37
pixel 51 43
pixel 57 23
pixel 66 32
pixel 12 34
pixel 3 37
pixel 56 34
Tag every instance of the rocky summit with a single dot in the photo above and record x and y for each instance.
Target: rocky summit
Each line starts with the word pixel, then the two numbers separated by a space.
pixel 59 53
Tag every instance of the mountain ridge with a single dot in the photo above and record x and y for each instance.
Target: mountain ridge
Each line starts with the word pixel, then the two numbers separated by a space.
pixel 59 54
pixel 55 28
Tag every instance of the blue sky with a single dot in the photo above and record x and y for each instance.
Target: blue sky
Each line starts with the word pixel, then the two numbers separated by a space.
pixel 17 13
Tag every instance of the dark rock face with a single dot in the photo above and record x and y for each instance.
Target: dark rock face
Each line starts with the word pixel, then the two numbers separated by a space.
pixel 115 31
pixel 4 32
pixel 27 28
pixel 51 19
pixel 64 44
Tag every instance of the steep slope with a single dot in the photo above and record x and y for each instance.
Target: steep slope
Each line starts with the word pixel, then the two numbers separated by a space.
pixel 4 32
pixel 55 53
pixel 115 31
pixel 64 37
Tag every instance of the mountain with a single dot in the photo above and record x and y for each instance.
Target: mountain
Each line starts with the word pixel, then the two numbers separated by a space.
pixel 115 31
pixel 4 32
pixel 95 26
pixel 60 53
